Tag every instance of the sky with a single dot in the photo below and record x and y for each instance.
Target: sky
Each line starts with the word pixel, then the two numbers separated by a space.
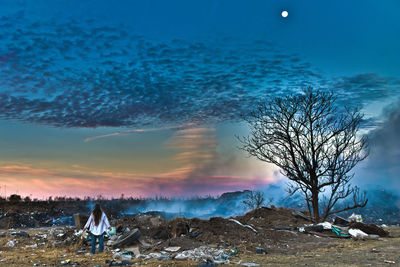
pixel 145 98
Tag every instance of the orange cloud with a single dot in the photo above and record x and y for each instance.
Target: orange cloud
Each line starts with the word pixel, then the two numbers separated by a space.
pixel 202 171
pixel 27 180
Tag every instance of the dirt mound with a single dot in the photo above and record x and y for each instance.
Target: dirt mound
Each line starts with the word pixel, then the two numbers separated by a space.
pixel 270 218
pixel 253 230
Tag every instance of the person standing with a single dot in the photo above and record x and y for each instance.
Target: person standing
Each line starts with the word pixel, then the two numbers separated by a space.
pixel 97 224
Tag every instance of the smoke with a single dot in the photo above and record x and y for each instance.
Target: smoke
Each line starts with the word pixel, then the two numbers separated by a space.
pixel 382 166
pixel 227 205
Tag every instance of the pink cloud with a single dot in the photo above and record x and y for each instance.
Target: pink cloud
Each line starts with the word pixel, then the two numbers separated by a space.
pixel 199 174
pixel 27 180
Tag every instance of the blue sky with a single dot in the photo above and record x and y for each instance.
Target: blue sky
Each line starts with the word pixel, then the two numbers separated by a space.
pixel 164 83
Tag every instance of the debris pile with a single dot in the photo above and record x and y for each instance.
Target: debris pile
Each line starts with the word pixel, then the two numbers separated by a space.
pixel 146 237
pixel 342 228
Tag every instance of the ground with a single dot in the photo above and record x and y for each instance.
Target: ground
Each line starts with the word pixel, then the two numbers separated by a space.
pixel 341 252
pixel 271 229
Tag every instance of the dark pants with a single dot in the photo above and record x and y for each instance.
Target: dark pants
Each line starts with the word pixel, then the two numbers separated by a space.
pixel 101 243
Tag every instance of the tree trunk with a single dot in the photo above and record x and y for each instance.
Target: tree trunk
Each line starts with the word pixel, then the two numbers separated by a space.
pixel 315 205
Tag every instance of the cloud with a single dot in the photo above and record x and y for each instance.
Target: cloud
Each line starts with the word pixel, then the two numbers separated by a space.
pixel 95 75
pixel 139 131
pixel 364 88
pixel 27 180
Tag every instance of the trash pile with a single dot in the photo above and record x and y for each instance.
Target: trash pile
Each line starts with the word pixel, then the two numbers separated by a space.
pixel 150 237
pixel 353 227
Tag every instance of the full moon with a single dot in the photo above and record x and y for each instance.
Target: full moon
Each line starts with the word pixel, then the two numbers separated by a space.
pixel 285 14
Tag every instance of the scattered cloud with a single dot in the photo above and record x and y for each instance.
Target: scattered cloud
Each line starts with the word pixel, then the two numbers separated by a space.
pixel 94 75
pixel 139 131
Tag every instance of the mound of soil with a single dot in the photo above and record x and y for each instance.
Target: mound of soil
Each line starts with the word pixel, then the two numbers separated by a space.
pixel 219 231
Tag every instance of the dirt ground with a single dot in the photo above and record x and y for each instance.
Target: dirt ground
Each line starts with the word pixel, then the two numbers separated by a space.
pixel 273 230
pixel 340 252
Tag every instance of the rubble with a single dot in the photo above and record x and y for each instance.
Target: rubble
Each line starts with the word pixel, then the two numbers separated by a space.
pixel 207 264
pixel 210 242
pixel 355 218
pixel 247 226
pixel 127 239
pixel 260 251
pixel 204 253
pixel 172 249
pixel 337 220
pixel 369 229
pixel 356 233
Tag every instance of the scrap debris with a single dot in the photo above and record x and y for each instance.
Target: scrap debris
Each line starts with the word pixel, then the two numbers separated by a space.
pixel 146 237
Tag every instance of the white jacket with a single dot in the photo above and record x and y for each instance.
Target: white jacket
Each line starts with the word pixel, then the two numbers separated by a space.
pixel 99 229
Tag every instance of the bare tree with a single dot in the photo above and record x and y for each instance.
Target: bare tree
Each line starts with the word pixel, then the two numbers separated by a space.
pixel 254 199
pixel 314 144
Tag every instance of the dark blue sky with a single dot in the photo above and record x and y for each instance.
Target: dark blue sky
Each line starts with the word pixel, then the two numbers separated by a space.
pixel 103 78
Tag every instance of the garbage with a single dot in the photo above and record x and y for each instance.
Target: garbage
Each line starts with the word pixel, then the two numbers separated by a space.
pixel 10 244
pixel 369 229
pixel 233 252
pixel 339 232
pixel 313 228
pixel 326 225
pixel 181 256
pixel 355 218
pixel 337 220
pixel 390 262
pixel 127 252
pixel 207 263
pixel 157 255
pixel 65 262
pixel 244 225
pixel 250 264
pixel 119 263
pixel 357 233
pixel 135 250
pixel 113 231
pixel 196 234
pixel 202 253
pixel 21 234
pixel 260 251
pixel 288 228
pixel 172 249
pixel 144 243
pixel 127 239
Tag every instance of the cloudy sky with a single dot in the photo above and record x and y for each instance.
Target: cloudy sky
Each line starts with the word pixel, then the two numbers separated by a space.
pixel 145 98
